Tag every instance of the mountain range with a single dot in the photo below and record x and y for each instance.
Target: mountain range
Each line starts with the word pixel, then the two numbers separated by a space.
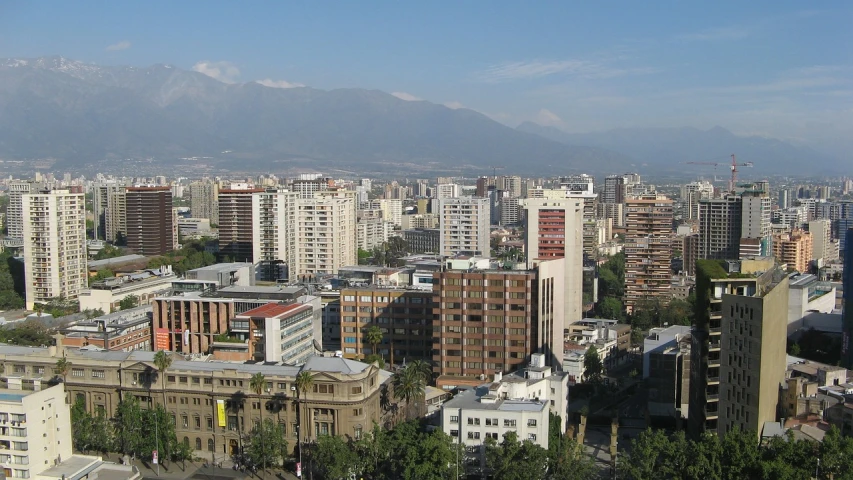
pixel 79 113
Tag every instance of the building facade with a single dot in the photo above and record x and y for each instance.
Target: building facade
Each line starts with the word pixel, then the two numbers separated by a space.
pixel 210 402
pixel 203 201
pixel 54 236
pixel 150 220
pixel 464 225
pixel 794 249
pixel 648 249
pixel 325 236
pixel 236 224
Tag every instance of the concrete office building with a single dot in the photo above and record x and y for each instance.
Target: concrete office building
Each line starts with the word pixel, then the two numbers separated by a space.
pixel 204 200
pixel 403 316
pixel 753 359
pixel 666 368
pixel 720 222
pixel 554 229
pixel 716 279
pixel 847 312
pixel 236 224
pixel 107 294
pixel 151 222
pixel 325 236
pixel 372 233
pixel 648 249
pixel 210 401
pixel 54 237
pixel 122 331
pixel 274 332
pixel 464 226
pixel 755 224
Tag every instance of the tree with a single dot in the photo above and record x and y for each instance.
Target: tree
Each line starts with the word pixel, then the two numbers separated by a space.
pixel 304 381
pixel 514 460
pixel 162 360
pixel 609 308
pixel 363 257
pixel 374 338
pixel 102 274
pixel 257 383
pixel 128 423
pixel 128 302
pixel 335 458
pixel 267 443
pixel 592 367
pixel 375 358
pixel 410 383
pixel 62 367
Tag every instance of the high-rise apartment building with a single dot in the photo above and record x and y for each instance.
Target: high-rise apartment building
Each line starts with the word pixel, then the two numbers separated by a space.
pixel 464 226
pixel 793 249
pixel 510 184
pixel 491 321
pixel 203 201
pixel 54 237
pixel 325 236
pixel 110 211
pixel 309 184
pixel 447 190
pixel 822 245
pixel 236 224
pixel 392 209
pixel 15 217
pixel 691 194
pixel 151 226
pixel 273 233
pixel 755 224
pixel 554 229
pixel 648 249
pixel 690 252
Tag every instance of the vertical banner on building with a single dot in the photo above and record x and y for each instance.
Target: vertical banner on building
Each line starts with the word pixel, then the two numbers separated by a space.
pixel 187 336
pixel 220 412
pixel 161 339
pixel 154 457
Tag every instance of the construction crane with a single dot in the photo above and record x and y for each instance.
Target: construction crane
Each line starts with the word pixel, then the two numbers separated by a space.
pixel 733 166
pixel 495 170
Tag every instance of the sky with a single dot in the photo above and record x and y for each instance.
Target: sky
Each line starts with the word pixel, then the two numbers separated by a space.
pixel 773 68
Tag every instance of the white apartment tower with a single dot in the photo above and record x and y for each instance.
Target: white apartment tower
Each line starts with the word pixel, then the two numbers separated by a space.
pixel 756 227
pixel 447 190
pixel 273 233
pixel 464 226
pixel 691 194
pixel 14 213
pixel 54 245
pixel 325 236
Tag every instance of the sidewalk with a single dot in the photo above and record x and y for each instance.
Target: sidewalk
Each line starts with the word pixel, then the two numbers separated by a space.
pixel 197 471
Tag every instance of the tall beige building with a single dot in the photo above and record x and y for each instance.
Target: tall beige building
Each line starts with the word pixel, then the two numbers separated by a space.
pixel 648 249
pixel 794 249
pixel 822 246
pixel 753 360
pixel 54 245
pixel 110 210
pixel 554 229
pixel 203 201
pixel 325 236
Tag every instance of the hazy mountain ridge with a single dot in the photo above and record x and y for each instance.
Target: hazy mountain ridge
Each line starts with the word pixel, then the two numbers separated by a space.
pixel 77 112
pixel 666 149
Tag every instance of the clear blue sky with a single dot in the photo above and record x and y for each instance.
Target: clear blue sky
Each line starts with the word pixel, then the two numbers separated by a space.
pixel 777 68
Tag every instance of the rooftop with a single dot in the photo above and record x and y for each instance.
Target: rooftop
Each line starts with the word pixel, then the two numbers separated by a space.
pixel 222 267
pixel 258 289
pixel 272 310
pixel 96 264
pixel 471 400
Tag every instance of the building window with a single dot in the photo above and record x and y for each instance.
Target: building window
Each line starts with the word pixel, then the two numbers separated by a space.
pixel 532 437
pixel 473 421
pixel 357 433
pixel 20 369
pixel 509 423
pixel 324 388
pixel 185 420
pixel 356 390
pixel 474 435
pixel 491 422
pixel 196 381
pixel 531 423
pixel 198 443
pixel 39 370
pixel 170 378
pixel 454 419
pixel 208 381
pixel 357 412
pixel 77 372
pixel 97 374
pixel 454 433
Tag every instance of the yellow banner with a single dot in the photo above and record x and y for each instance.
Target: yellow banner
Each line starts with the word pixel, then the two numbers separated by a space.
pixel 220 412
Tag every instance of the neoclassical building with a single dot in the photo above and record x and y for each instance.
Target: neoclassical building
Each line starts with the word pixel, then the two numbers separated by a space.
pixel 211 403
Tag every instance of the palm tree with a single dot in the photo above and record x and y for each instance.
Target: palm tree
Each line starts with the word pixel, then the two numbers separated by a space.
pixel 62 367
pixel 374 338
pixel 304 380
pixel 410 383
pixel 257 384
pixel 163 361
